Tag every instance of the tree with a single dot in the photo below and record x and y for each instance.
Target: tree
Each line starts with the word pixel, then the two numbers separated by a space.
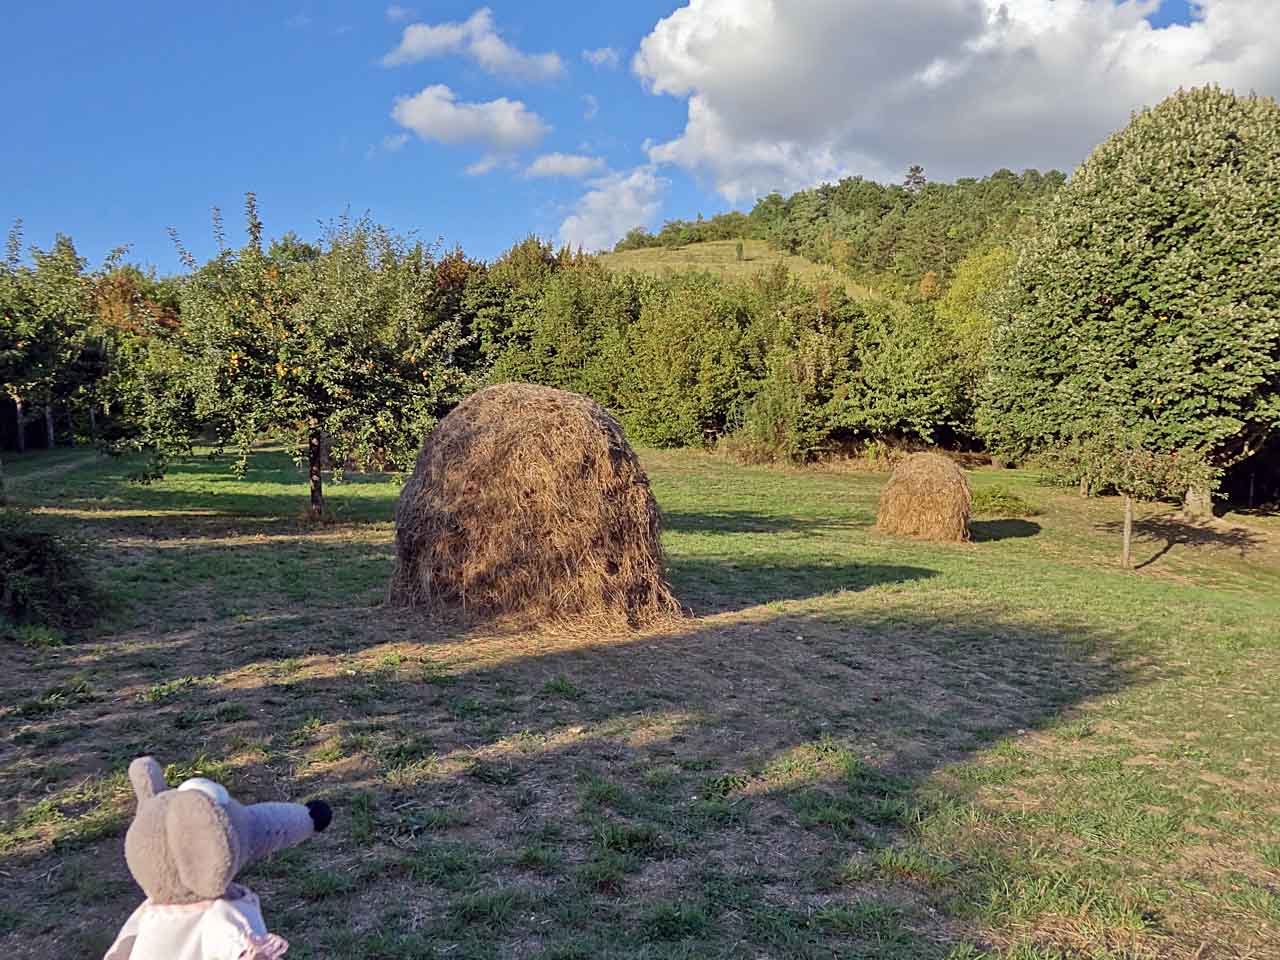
pixel 48 353
pixel 339 353
pixel 145 393
pixel 1123 459
pixel 915 179
pixel 1148 293
pixel 967 308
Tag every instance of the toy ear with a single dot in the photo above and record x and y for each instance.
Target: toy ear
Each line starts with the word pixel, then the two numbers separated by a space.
pixel 200 843
pixel 147 778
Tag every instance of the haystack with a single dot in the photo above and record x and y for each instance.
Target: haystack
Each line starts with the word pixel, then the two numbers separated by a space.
pixel 928 498
pixel 528 502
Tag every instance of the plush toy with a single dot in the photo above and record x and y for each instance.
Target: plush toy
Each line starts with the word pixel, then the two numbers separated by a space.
pixel 184 849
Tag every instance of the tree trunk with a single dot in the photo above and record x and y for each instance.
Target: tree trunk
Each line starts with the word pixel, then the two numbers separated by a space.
pixel 315 456
pixel 22 426
pixel 4 496
pixel 1198 504
pixel 1084 486
pixel 48 426
pixel 1126 556
pixel 93 424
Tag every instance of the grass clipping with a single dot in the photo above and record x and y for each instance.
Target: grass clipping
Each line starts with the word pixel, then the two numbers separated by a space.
pixel 528 502
pixel 927 498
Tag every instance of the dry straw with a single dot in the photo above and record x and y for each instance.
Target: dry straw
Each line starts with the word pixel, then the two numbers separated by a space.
pixel 928 498
pixel 528 502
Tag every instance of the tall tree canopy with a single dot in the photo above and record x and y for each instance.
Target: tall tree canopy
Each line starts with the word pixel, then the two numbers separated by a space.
pixel 1149 291
pixel 341 347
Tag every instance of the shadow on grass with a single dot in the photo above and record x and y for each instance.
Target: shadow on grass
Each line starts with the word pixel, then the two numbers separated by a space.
pixel 709 586
pixel 810 737
pixel 985 531
pixel 762 767
pixel 1170 532
pixel 742 521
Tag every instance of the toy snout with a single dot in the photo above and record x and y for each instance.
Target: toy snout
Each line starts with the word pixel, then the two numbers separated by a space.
pixel 268 827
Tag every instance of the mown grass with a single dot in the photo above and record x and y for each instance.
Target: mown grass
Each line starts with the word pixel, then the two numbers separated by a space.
pixel 721 258
pixel 855 747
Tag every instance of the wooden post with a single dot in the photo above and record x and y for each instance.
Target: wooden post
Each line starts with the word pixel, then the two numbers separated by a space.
pixel 1126 557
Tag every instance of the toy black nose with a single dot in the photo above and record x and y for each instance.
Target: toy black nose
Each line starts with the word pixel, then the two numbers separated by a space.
pixel 320 814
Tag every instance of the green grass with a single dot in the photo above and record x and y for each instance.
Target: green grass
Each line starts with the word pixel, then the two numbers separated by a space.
pixel 857 746
pixel 721 257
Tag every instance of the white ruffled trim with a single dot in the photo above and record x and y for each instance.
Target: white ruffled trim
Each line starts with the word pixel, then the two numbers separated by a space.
pixel 264 947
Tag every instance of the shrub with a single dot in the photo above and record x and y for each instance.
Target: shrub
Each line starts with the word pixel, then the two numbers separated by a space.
pixel 1001 502
pixel 43 577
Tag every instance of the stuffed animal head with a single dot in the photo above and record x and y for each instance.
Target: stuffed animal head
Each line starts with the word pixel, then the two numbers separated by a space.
pixel 186 845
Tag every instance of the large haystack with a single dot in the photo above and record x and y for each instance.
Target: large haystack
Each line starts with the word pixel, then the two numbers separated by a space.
pixel 529 502
pixel 928 498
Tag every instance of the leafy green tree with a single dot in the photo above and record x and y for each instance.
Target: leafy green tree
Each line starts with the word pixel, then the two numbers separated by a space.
pixel 340 353
pixel 1149 291
pixel 145 392
pixel 967 309
pixel 48 354
pixel 681 366
pixel 906 381
pixel 1123 459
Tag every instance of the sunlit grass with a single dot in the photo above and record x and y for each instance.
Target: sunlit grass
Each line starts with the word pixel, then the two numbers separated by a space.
pixel 856 745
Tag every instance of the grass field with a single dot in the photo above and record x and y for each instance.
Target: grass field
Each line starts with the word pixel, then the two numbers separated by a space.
pixel 857 747
pixel 721 257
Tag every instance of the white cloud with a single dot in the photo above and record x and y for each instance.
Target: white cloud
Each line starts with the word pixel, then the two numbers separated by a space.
pixel 590 107
pixel 482 166
pixel 394 142
pixel 564 165
pixel 477 38
pixel 781 95
pixel 299 21
pixel 614 204
pixel 603 57
pixel 399 14
pixel 502 125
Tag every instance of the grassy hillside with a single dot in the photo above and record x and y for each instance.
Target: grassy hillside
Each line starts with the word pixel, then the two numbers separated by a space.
pixel 858 746
pixel 721 257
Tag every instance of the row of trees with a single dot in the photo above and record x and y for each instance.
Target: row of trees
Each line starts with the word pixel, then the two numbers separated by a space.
pixel 904 239
pixel 1133 336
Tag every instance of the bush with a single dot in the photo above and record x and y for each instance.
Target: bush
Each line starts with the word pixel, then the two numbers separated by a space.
pixel 1001 502
pixel 43 577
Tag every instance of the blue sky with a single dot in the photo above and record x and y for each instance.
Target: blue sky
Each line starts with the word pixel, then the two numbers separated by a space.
pixel 126 119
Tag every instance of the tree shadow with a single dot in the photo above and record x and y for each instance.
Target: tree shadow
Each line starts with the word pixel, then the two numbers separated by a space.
pixel 812 735
pixel 1172 532
pixel 986 531
pixel 679 753
pixel 743 521
pixel 722 585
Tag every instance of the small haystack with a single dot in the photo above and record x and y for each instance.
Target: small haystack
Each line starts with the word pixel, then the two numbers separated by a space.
pixel 928 498
pixel 529 502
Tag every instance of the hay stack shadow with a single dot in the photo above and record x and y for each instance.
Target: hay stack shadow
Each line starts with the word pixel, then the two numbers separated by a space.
pixel 529 503
pixel 927 498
